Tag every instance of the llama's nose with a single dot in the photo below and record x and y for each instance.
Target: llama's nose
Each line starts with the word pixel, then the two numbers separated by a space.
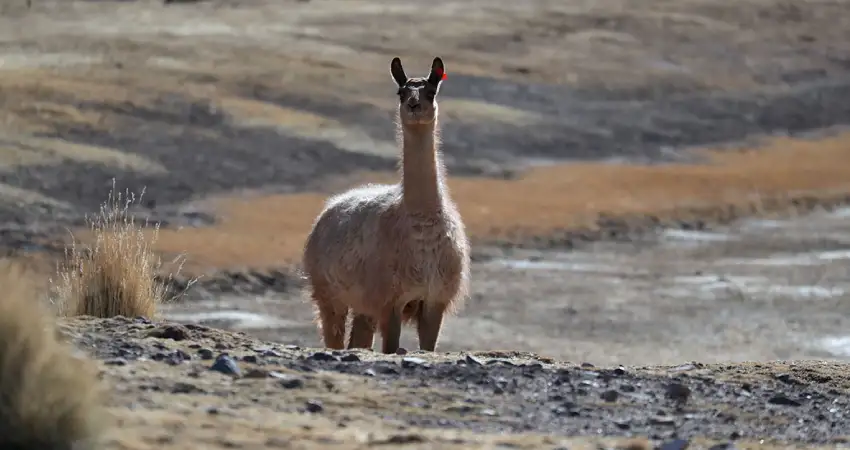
pixel 414 104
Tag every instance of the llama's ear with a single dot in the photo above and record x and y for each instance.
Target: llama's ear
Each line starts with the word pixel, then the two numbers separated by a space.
pixel 438 72
pixel 398 72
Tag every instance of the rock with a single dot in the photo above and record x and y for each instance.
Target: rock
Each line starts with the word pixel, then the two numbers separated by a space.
pixel 628 388
pixel 314 406
pixel 678 392
pixel 622 424
pixel 256 373
pixel 661 420
pixel 115 362
pixel 174 332
pixel 723 446
pixel 401 351
pixel 411 362
pixel 619 371
pixel 226 365
pixel 205 354
pixel 369 373
pixel 675 444
pixel 473 361
pixel 350 357
pixel 270 354
pixel 291 382
pixel 781 399
pixel 587 365
pixel 252 359
pixel 610 396
pixel 185 388
pixel 787 378
pixel 322 356
pixel 291 347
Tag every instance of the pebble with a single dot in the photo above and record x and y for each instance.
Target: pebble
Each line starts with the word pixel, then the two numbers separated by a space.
pixel 252 359
pixel 473 361
pixel 350 357
pixel 173 332
pixel 610 396
pixel 401 351
pixel 205 354
pixel 291 382
pixel 678 392
pixel 675 444
pixel 723 446
pixel 116 362
pixel 314 406
pixel 781 399
pixel 322 356
pixel 411 362
pixel 226 365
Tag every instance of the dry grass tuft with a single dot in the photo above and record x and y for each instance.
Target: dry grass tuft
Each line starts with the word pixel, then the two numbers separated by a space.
pixel 115 275
pixel 48 397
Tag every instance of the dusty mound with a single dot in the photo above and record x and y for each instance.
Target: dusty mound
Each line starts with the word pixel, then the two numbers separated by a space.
pixel 177 385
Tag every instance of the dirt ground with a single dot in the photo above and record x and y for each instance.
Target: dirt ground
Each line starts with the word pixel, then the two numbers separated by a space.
pixel 646 182
pixel 164 395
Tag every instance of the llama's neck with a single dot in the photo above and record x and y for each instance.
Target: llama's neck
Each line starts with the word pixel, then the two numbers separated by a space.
pixel 422 169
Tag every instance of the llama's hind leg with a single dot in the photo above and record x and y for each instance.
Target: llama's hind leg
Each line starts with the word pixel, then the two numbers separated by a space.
pixel 429 324
pixel 332 316
pixel 362 332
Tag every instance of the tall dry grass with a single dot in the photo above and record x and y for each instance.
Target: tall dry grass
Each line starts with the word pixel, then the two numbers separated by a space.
pixel 49 399
pixel 116 274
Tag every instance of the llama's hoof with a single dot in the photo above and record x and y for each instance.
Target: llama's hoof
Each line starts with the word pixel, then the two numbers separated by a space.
pixel 401 351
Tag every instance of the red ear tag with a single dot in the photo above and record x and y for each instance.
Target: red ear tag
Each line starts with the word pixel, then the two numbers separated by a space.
pixel 444 76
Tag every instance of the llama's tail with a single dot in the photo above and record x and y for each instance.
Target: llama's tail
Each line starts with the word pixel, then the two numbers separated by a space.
pixel 48 397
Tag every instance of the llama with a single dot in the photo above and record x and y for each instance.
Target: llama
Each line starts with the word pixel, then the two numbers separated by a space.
pixel 392 254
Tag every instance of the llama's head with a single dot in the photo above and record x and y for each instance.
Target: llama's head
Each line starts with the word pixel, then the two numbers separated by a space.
pixel 418 96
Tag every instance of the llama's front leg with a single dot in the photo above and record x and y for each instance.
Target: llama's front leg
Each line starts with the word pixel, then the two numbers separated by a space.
pixel 391 330
pixel 362 332
pixel 429 324
pixel 332 324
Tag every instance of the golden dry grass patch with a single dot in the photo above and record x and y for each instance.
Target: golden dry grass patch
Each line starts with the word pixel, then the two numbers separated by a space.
pixel 48 397
pixel 115 274
pixel 264 231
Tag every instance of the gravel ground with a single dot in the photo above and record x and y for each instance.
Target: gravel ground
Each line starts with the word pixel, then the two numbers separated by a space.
pixel 209 376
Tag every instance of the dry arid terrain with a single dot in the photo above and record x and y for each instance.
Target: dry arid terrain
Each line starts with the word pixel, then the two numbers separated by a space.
pixel 656 192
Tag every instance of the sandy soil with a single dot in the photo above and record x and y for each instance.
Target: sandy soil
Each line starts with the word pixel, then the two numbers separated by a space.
pixel 582 137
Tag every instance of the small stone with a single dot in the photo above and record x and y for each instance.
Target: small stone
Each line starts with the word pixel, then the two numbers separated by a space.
pixel 678 392
pixel 115 362
pixel 473 361
pixel 683 368
pixel 787 378
pixel 226 365
pixel 221 346
pixel 174 332
pixel 620 371
pixel 270 354
pixel 401 351
pixel 780 399
pixel 661 420
pixel 314 406
pixel 675 444
pixel 252 359
pixel 205 354
pixel 610 396
pixel 291 347
pixel 723 446
pixel 587 365
pixel 322 356
pixel 369 373
pixel 256 373
pixel 628 388
pixel 622 424
pixel 350 357
pixel 411 362
pixel 184 388
pixel 291 382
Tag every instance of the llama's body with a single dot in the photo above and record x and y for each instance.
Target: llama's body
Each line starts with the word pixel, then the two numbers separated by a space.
pixel 390 254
